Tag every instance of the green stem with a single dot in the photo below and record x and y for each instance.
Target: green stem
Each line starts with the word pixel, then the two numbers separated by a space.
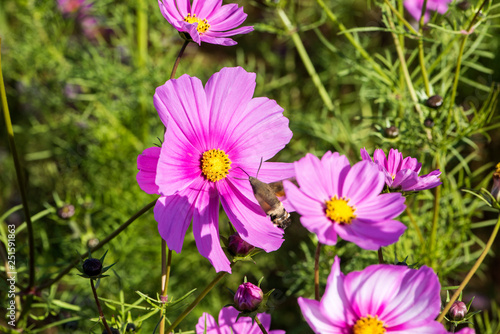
pixel 20 179
pixel 457 72
pixel 316 272
pixel 101 314
pixel 142 33
pixel 202 295
pixel 165 275
pixel 415 225
pixel 435 218
pixel 98 246
pixel 421 56
pixel 380 256
pixel 472 271
pixel 401 17
pixel 404 67
pixel 261 326
pixel 177 61
pixel 354 43
pixel 305 59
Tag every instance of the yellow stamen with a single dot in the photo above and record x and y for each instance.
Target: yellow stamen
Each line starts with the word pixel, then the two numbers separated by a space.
pixel 339 211
pixel 202 23
pixel 368 325
pixel 215 165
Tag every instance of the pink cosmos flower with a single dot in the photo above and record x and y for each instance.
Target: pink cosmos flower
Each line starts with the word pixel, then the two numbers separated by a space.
pixel 206 21
pixel 402 173
pixel 414 7
pixel 380 299
pixel 214 134
pixel 229 324
pixel 337 199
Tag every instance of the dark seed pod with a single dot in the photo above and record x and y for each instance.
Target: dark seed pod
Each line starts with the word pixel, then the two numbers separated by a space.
pixel 435 101
pixel 130 327
pixel 391 132
pixel 429 122
pixel 92 267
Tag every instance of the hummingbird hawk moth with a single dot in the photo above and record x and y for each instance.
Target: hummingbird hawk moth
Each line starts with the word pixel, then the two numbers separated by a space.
pixel 266 195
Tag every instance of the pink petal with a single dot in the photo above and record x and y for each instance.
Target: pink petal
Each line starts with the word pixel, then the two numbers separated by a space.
pixel 249 219
pixel 146 164
pixel 170 12
pixel 229 13
pixel 211 326
pixel 204 8
pixel 371 235
pixel 428 181
pixel 336 167
pixel 363 183
pixel 192 30
pixel 365 156
pixel 206 228
pixel 385 206
pixel 319 322
pixel 411 163
pixel 218 41
pixel 311 178
pixel 405 178
pixel 238 31
pixel 302 203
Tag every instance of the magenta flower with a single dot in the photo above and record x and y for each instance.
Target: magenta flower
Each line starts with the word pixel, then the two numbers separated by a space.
pixel 379 299
pixel 414 7
pixel 248 297
pixel 206 21
pixel 337 199
pixel 214 134
pixel 238 246
pixel 402 173
pixel 229 324
pixel 68 7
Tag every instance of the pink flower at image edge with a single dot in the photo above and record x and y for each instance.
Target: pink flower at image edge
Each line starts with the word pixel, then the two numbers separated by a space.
pixel 205 21
pixel 387 298
pixel 229 324
pixel 335 199
pixel 414 7
pixel 214 134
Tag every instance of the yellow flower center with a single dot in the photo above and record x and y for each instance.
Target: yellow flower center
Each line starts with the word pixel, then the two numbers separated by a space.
pixel 215 165
pixel 369 325
pixel 339 211
pixel 202 23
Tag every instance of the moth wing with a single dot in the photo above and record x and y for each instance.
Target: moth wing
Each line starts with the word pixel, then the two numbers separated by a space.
pixel 277 187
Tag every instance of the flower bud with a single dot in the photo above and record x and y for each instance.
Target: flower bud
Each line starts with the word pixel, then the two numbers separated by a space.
pixel 391 132
pixel 238 246
pixel 435 101
pixel 495 190
pixel 429 122
pixel 66 212
pixel 248 297
pixel 92 267
pixel 458 310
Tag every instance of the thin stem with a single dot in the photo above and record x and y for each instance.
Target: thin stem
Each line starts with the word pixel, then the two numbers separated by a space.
pixel 435 217
pixel 98 246
pixel 101 314
pixel 457 71
pixel 260 325
pixel 380 256
pixel 415 225
pixel 202 295
pixel 20 180
pixel 177 61
pixel 404 67
pixel 472 271
pixel 316 271
pixel 305 59
pixel 354 43
pixel 142 33
pixel 165 275
pixel 421 56
pixel 401 17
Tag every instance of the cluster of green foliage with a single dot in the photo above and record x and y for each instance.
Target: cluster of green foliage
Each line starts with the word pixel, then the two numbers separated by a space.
pixel 83 110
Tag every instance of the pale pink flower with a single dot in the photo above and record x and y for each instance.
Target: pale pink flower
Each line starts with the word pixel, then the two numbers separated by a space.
pixel 414 7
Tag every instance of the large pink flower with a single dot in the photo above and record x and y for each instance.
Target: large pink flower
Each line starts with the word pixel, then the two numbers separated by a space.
pixel 379 299
pixel 229 325
pixel 402 173
pixel 213 134
pixel 414 7
pixel 337 199
pixel 205 20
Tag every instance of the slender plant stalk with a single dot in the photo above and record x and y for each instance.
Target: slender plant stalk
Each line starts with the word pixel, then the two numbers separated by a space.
pixel 421 56
pixel 260 325
pixel 316 271
pixel 404 67
pixel 380 256
pixel 472 271
pixel 20 179
pixel 401 17
pixel 457 71
pixel 98 246
pixel 142 33
pixel 101 314
pixel 415 225
pixel 177 61
pixel 198 299
pixel 305 59
pixel 354 43
pixel 165 275
pixel 435 217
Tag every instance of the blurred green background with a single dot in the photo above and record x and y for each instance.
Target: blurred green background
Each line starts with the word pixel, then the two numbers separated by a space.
pixel 80 94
